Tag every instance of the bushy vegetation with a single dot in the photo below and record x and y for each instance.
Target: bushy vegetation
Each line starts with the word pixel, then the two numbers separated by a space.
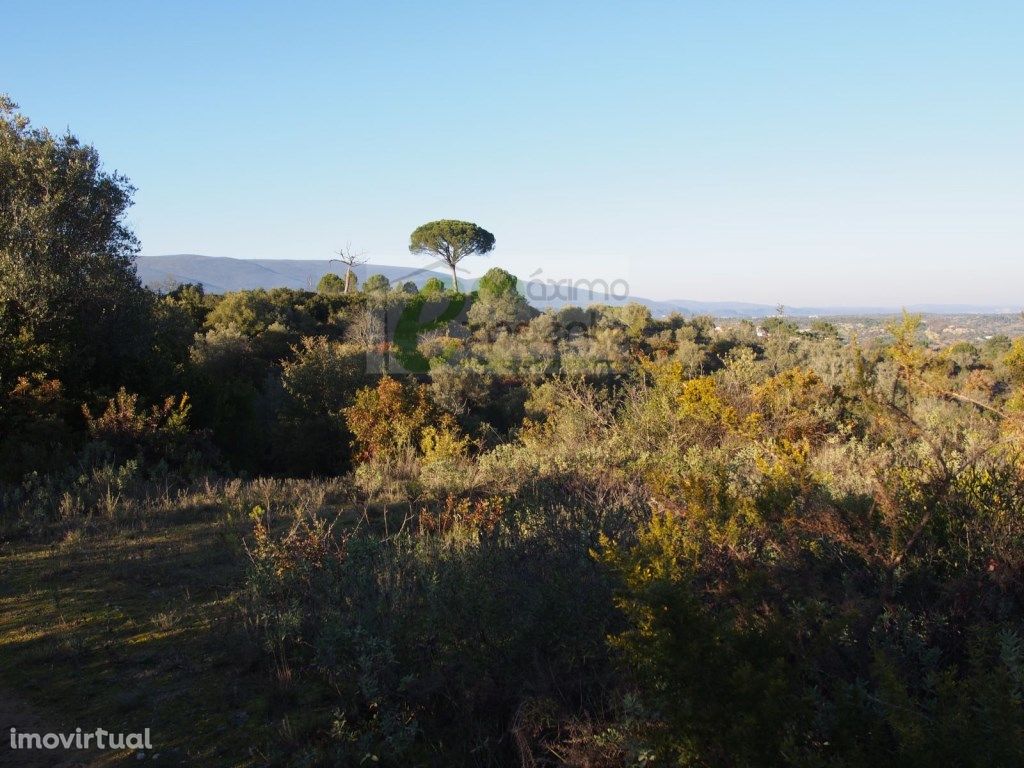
pixel 583 537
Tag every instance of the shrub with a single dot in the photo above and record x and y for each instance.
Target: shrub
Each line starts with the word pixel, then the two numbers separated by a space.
pixel 429 644
pixel 160 433
pixel 388 419
pixel 248 312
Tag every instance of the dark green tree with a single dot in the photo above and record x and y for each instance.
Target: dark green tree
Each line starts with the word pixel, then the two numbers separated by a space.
pixel 249 312
pixel 451 241
pixel 192 298
pixel 433 287
pixel 71 305
pixel 376 284
pixel 331 285
pixel 496 282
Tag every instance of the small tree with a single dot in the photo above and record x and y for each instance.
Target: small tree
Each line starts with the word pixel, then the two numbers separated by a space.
pixel 636 317
pixel 508 311
pixel 376 284
pixel 319 379
pixel 331 285
pixel 496 282
pixel 321 376
pixel 451 241
pixel 249 312
pixel 433 287
pixel 386 421
pixel 350 259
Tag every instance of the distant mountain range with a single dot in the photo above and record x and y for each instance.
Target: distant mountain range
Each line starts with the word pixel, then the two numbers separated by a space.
pixel 220 275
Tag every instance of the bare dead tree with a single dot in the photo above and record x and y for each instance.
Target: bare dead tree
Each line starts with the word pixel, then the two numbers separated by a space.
pixel 350 259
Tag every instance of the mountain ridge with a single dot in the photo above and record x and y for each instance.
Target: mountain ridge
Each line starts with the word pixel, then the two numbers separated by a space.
pixel 221 274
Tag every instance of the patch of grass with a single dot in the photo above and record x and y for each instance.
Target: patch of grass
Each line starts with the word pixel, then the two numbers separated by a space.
pixel 132 623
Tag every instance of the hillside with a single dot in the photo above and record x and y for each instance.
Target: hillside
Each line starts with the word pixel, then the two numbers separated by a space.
pixel 220 275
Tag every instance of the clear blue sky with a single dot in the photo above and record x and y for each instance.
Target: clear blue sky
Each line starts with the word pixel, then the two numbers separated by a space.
pixel 865 152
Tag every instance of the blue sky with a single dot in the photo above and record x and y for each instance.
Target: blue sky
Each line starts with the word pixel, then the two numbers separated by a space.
pixel 796 152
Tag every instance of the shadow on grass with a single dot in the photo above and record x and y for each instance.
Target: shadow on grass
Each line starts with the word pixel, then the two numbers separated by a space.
pixel 129 627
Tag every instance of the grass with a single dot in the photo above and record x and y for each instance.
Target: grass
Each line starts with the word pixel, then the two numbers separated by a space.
pixel 132 623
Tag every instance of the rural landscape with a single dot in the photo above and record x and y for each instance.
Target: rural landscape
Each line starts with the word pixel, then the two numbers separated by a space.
pixel 396 524
pixel 512 385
